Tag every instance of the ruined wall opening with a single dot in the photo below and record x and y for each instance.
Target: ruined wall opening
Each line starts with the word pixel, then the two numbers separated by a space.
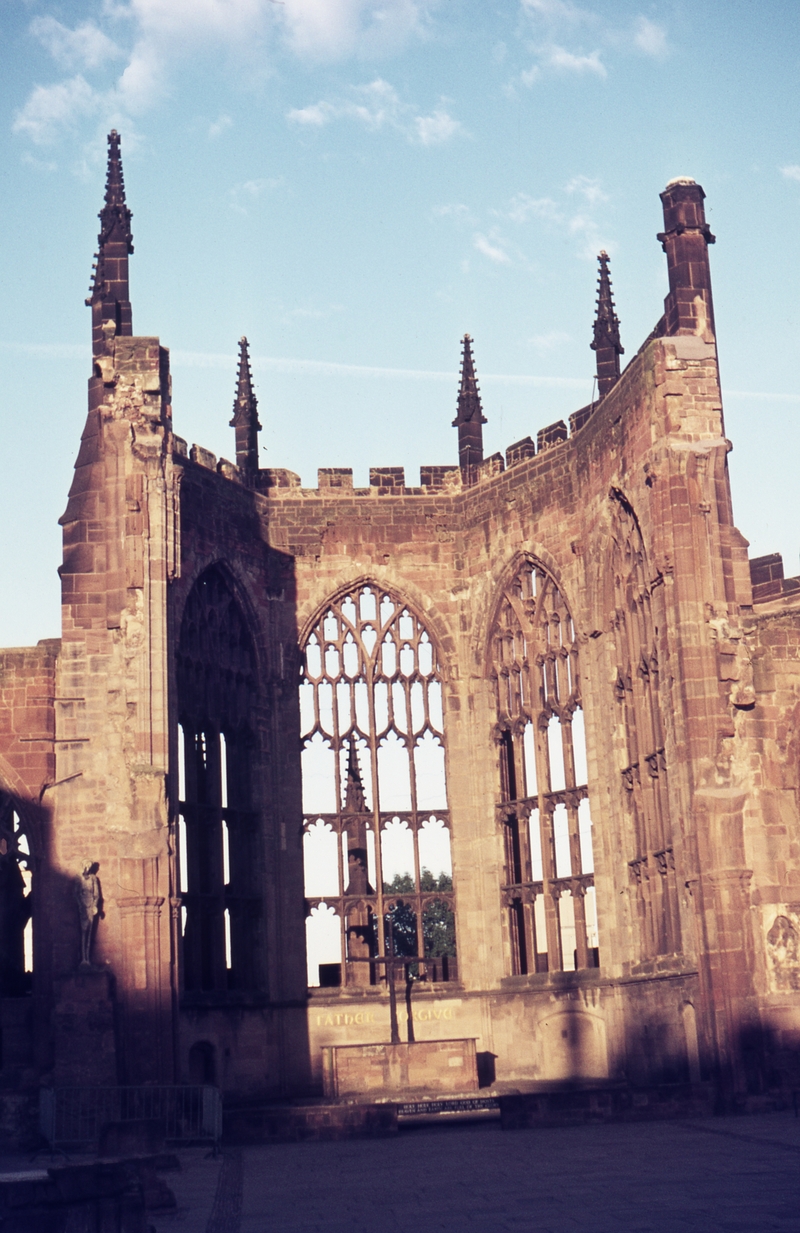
pixel 637 600
pixel 16 903
pixel 218 836
pixel 376 824
pixel 548 890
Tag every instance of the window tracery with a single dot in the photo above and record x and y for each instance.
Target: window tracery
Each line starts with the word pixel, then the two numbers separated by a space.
pixel 637 596
pixel 376 823
pixel 218 836
pixel 544 812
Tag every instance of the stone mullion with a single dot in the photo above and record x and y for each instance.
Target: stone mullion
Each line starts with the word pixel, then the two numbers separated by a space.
pixel 412 774
pixel 555 948
pixel 340 865
pixel 552 893
pixel 529 928
pixel 518 756
pixel 216 871
pixel 534 964
pixel 516 938
pixel 369 675
pixel 579 910
pixel 651 829
pixel 526 866
pixel 552 923
pixel 673 920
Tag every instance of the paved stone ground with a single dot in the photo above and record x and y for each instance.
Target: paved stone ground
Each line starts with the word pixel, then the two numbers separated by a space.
pixel 720 1175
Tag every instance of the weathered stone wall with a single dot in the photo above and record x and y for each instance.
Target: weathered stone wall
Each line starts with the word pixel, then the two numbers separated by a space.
pixel 27 688
pixel 112 704
pixel 696 832
pixel 657 440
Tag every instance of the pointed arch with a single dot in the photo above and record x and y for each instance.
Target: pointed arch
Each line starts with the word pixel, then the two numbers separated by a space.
pixel 372 726
pixel 637 601
pixel 544 811
pixel 218 828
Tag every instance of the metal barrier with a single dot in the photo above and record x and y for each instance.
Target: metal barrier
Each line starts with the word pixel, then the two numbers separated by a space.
pixel 74 1116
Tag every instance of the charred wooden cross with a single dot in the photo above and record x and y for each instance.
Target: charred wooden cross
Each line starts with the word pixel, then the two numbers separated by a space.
pixel 392 962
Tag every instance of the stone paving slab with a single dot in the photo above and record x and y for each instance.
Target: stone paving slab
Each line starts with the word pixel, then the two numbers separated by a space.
pixel 715 1175
pixel 639 1179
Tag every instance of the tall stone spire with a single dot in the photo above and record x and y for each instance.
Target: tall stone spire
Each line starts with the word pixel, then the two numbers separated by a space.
pixel 245 414
pixel 606 343
pixel 356 829
pixel 469 418
pixel 109 296
pixel 354 788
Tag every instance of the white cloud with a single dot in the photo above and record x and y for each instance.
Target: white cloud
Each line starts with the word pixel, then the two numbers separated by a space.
pixel 490 249
pixel 144 80
pixel 50 108
pixel 791 171
pixel 156 34
pixel 315 115
pixel 378 106
pixel 84 47
pixel 588 188
pixel 650 38
pixel 523 207
pixel 560 58
pixel 436 128
pixel 331 29
pixel 549 341
pixel 553 10
pixel 459 212
pixel 40 164
pixel 219 126
pixel 558 19
pixel 561 217
pixel 247 194
pixel 170 20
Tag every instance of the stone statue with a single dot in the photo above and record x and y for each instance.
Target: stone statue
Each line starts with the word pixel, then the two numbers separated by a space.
pixel 87 893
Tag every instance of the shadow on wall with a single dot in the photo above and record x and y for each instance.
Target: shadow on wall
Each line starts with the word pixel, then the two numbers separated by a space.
pixel 38 904
pixel 237 803
pixel 572 1045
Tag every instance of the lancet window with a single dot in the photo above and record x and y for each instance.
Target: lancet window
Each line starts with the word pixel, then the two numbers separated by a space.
pixel 218 849
pixel 544 813
pixel 638 598
pixel 376 823
pixel 16 902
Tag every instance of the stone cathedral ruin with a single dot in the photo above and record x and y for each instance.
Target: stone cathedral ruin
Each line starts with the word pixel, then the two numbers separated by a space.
pixel 533 721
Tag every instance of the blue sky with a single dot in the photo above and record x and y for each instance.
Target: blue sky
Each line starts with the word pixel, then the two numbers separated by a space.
pixel 356 183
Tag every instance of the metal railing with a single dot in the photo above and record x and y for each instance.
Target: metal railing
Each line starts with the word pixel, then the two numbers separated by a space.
pixel 74 1116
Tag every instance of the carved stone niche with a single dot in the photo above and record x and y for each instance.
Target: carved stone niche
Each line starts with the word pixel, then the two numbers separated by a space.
pixel 783 949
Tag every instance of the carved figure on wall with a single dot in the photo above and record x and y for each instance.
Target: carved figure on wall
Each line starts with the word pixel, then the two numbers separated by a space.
pixel 89 898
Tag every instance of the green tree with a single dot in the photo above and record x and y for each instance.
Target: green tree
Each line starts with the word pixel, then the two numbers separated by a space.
pixel 438 919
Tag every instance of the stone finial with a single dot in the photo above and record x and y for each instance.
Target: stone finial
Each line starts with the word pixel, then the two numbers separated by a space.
pixel 606 342
pixel 109 294
pixel 245 414
pixel 469 418
pixel 688 309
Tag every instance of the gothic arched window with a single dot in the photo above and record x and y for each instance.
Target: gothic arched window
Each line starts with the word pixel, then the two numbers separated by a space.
pixel 16 925
pixel 644 776
pixel 218 830
pixel 544 811
pixel 377 844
